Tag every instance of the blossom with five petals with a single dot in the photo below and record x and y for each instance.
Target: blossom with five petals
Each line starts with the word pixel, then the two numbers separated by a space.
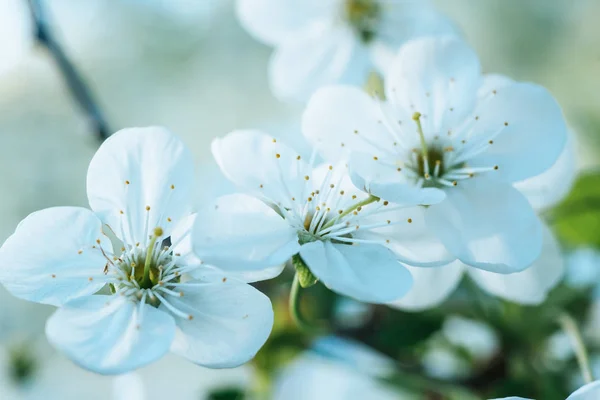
pixel 447 132
pixel 292 209
pixel 119 273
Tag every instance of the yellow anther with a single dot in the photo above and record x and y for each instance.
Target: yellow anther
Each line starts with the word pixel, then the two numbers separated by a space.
pixel 158 231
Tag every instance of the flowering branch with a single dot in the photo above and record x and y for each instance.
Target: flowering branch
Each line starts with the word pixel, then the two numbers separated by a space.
pixel 73 78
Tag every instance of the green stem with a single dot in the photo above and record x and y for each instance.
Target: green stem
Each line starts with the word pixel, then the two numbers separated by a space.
pixel 294 306
pixel 417 118
pixel 368 200
pixel 570 327
pixel 147 282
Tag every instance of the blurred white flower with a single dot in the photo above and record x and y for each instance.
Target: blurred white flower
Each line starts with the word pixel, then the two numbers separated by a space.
pixel 454 137
pixel 16 33
pixel 139 185
pixel 443 363
pixel 337 369
pixel 294 209
pixel 321 42
pixel 591 391
pixel 350 313
pixel 444 356
pixel 583 268
pixel 477 338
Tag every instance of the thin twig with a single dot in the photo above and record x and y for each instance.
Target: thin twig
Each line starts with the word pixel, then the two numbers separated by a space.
pixel 74 80
pixel 570 328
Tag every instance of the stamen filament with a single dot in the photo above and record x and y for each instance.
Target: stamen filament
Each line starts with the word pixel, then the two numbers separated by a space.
pixel 417 118
pixel 368 200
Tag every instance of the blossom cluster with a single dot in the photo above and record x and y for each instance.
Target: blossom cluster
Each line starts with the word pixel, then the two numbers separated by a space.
pixel 441 174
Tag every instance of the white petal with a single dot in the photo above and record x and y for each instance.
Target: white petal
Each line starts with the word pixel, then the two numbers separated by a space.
pixel 532 285
pixel 240 232
pixel 488 225
pixel 437 77
pixel 135 169
pixel 365 272
pixel 531 131
pixel 552 186
pixel 182 239
pixel 413 242
pixel 261 165
pixel 107 334
pixel 591 391
pixel 277 21
pixel 342 118
pixel 231 321
pixel 432 286
pixel 325 55
pixel 42 262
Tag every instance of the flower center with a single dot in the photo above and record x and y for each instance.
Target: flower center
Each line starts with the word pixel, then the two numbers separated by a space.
pixel 363 16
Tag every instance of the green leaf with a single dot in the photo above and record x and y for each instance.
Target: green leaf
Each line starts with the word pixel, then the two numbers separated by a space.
pixel 305 277
pixel 577 219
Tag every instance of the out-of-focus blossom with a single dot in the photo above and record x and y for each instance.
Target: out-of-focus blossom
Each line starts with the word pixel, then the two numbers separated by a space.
pixel 583 268
pixel 293 209
pixel 477 338
pixel 591 391
pixel 321 42
pixel 444 356
pixel 337 369
pixel 454 137
pixel 139 186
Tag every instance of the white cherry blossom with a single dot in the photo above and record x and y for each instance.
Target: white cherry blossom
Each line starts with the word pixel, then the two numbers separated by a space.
pixel 321 42
pixel 118 272
pixel 463 138
pixel 293 209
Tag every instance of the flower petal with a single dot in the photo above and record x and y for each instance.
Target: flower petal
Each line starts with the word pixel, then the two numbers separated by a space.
pixel 325 54
pixel 108 335
pixel 488 225
pixel 550 187
pixel 342 118
pixel 409 238
pixel 261 165
pixel 139 179
pixel 53 256
pixel 531 131
pixel 277 21
pixel 437 77
pixel 242 233
pixel 368 273
pixel 530 286
pixel 591 391
pixel 432 286
pixel 231 321
pixel 182 240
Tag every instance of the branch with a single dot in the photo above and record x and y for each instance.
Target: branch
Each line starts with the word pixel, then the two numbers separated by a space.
pixel 75 82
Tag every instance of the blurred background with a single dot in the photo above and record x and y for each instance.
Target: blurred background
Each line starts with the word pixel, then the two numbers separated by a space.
pixel 189 66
